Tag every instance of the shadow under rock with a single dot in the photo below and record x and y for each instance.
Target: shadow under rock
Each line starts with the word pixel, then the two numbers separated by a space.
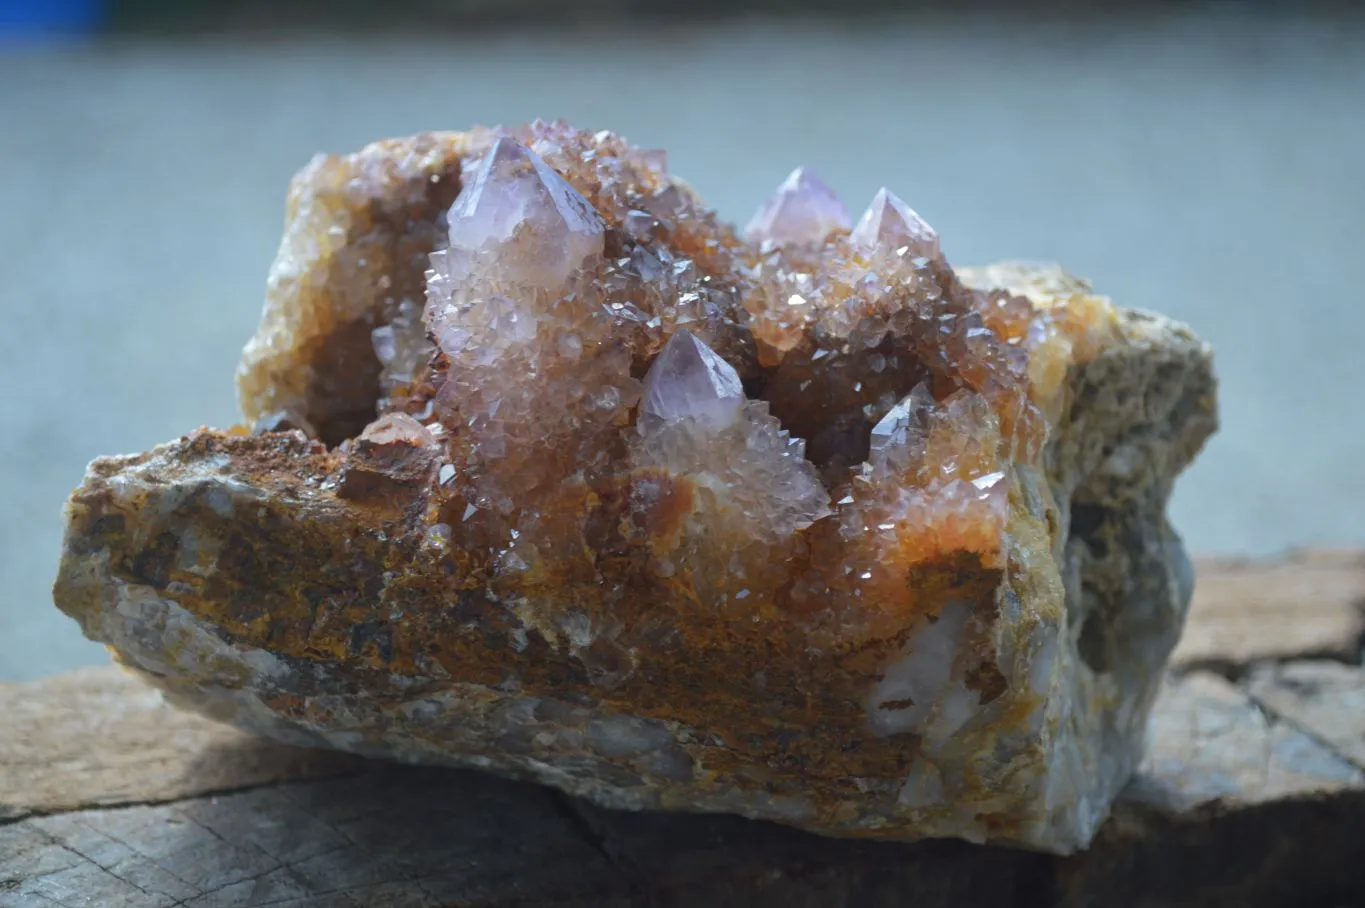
pixel 417 836
pixel 243 762
pixel 391 836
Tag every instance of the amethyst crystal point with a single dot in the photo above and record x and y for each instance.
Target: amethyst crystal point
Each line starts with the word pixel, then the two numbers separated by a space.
pixel 688 378
pixel 803 210
pixel 518 206
pixel 699 424
pixel 889 223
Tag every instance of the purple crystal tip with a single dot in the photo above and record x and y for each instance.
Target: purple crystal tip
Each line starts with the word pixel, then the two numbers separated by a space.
pixel 889 223
pixel 512 190
pixel 802 211
pixel 518 218
pixel 689 379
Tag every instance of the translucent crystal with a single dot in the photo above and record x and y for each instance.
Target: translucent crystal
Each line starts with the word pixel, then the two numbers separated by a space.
pixel 542 227
pixel 394 455
pixel 802 211
pixel 596 449
pixel 537 375
pixel 903 425
pixel 403 350
pixel 689 379
pixel 890 224
pixel 397 428
pixel 698 423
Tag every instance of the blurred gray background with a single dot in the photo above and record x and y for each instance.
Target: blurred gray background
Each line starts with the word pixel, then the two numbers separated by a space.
pixel 1208 162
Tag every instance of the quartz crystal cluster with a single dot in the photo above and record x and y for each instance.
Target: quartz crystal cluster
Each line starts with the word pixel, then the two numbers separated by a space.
pixel 550 472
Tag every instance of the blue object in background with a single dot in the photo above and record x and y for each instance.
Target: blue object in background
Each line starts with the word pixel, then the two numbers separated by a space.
pixel 23 19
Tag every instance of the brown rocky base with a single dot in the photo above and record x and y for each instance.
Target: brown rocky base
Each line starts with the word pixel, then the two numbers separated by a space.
pixel 552 473
pixel 1252 793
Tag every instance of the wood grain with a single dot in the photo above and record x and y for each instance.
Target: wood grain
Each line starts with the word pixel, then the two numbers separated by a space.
pixel 99 736
pixel 1252 793
pixel 1308 603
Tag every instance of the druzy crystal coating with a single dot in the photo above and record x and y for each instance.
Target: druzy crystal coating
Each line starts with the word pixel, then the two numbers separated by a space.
pixel 555 474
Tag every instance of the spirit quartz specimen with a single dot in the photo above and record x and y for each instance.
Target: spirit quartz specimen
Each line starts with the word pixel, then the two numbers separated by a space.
pixel 554 474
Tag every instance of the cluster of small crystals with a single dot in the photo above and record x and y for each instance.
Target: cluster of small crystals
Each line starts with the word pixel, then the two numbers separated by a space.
pixel 933 485
pixel 403 352
pixel 591 330
pixel 852 319
pixel 358 229
pixel 665 263
pixel 913 389
pixel 753 489
pixel 538 382
pixel 569 261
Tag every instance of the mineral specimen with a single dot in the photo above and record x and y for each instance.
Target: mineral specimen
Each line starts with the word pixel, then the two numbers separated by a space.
pixel 553 474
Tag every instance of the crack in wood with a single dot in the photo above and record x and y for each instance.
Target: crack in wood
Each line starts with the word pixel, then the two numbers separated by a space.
pixel 6 820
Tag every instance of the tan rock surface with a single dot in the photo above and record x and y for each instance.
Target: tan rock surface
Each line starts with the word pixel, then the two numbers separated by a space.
pixel 805 525
pixel 1234 804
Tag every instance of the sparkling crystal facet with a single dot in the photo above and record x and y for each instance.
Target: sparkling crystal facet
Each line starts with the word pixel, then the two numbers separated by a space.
pixel 802 211
pixel 697 423
pixel 903 423
pixel 889 224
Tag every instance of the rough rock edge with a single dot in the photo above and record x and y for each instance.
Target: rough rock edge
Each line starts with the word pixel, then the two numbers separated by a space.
pixel 358 220
pixel 1232 806
pixel 358 229
pixel 1116 455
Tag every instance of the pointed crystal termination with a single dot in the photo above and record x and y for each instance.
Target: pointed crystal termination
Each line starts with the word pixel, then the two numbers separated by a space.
pixel 696 422
pixel 802 211
pixel 688 378
pixel 889 223
pixel 903 425
pixel 541 228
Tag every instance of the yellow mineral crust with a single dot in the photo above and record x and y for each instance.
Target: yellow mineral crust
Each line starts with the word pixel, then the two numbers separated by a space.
pixel 582 486
pixel 358 230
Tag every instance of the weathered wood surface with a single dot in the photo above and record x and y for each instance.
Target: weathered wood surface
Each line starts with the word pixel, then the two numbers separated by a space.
pixel 1309 603
pixel 100 736
pixel 1252 793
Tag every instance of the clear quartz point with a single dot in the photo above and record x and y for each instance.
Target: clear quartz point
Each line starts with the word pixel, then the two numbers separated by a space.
pixel 903 425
